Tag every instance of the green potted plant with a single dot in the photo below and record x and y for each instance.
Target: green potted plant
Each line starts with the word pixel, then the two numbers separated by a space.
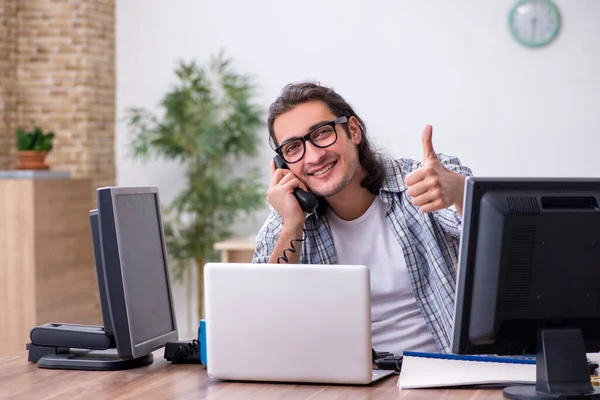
pixel 209 123
pixel 33 147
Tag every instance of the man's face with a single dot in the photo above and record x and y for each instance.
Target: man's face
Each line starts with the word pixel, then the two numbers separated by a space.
pixel 325 171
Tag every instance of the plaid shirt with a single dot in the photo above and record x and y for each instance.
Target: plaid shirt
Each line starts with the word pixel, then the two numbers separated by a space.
pixel 430 243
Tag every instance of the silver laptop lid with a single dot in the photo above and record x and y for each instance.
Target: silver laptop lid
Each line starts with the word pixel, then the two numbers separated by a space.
pixel 295 323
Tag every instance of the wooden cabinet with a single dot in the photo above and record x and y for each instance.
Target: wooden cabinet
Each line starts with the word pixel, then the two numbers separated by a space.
pixel 47 269
pixel 236 250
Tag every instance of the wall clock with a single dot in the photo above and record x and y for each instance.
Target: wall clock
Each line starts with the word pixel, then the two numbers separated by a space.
pixel 534 23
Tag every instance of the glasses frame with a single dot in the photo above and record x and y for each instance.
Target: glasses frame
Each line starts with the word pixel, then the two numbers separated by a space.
pixel 305 138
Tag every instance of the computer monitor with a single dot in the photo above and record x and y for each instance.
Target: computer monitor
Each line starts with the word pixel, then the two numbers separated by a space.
pixel 134 287
pixel 528 278
pixel 138 286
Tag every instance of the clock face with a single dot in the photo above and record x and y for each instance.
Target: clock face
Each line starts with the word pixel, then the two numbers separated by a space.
pixel 534 23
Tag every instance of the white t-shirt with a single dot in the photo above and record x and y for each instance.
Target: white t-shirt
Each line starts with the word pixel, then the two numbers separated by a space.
pixel 396 321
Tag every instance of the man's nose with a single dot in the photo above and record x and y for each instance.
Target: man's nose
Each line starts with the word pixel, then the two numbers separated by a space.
pixel 313 153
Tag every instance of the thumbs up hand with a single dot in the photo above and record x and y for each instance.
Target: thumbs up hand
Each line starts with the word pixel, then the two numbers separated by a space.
pixel 428 152
pixel 433 187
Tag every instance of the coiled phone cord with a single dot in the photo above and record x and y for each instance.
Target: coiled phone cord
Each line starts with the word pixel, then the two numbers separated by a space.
pixel 292 248
pixel 185 350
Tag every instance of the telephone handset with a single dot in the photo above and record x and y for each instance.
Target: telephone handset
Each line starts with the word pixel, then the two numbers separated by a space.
pixel 308 201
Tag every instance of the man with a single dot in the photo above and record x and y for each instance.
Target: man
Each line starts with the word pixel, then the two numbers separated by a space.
pixel 401 218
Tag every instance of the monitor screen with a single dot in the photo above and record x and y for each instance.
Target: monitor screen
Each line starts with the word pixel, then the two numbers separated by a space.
pixel 138 289
pixel 143 265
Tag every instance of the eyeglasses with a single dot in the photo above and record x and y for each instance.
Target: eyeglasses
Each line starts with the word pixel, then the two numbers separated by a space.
pixel 323 135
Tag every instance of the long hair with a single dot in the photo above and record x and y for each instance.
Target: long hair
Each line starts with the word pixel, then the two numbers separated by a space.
pixel 294 94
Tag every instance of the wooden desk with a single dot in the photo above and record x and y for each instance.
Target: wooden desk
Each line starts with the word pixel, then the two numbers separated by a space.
pixel 236 250
pixel 163 380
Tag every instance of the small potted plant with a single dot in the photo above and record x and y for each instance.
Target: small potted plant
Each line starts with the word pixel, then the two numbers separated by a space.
pixel 33 147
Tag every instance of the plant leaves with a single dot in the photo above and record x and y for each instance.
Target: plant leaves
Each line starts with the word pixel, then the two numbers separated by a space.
pixel 209 122
pixel 36 139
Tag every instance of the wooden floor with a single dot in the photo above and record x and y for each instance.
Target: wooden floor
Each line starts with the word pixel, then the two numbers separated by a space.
pixel 163 380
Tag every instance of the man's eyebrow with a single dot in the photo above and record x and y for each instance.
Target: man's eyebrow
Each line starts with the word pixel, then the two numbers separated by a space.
pixel 316 125
pixel 310 128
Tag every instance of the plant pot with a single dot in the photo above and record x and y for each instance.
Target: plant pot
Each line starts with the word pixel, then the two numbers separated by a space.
pixel 31 160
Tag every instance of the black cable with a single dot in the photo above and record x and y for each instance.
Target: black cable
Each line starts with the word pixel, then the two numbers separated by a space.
pixel 185 350
pixel 389 362
pixel 292 248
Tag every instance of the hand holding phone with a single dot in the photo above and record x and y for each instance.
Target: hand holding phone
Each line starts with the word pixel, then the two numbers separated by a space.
pixel 280 189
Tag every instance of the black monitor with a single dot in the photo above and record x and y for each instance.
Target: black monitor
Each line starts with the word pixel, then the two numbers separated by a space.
pixel 136 269
pixel 134 287
pixel 529 278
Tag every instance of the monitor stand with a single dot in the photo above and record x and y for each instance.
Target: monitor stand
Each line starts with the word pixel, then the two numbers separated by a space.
pixel 94 360
pixel 83 347
pixel 562 370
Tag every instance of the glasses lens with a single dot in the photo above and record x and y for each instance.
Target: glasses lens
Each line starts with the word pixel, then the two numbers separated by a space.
pixel 324 136
pixel 320 137
pixel 293 151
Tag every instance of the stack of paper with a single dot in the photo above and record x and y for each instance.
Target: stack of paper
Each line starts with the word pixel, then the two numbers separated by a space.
pixel 428 370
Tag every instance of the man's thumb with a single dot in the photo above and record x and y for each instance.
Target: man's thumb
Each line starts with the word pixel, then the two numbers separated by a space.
pixel 428 152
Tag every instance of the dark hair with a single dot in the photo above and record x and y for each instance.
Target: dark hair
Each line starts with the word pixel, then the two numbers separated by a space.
pixel 294 94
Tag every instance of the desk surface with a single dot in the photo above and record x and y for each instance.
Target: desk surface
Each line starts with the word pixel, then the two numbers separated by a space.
pixel 162 380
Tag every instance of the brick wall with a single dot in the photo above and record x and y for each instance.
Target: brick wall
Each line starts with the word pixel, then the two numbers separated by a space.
pixel 7 76
pixel 62 62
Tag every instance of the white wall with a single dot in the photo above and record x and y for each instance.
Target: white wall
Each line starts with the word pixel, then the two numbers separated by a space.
pixel 505 110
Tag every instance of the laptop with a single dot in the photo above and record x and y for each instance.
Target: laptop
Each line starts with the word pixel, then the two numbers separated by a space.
pixel 289 323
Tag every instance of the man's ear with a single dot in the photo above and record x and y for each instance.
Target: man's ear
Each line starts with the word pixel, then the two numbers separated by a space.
pixel 355 131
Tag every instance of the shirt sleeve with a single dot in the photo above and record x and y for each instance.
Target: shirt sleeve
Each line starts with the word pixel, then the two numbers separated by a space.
pixel 267 236
pixel 448 218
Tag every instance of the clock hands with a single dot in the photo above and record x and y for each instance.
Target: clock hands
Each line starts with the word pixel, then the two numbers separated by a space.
pixel 534 23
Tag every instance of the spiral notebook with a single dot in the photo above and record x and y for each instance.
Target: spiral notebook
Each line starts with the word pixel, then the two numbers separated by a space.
pixel 431 370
